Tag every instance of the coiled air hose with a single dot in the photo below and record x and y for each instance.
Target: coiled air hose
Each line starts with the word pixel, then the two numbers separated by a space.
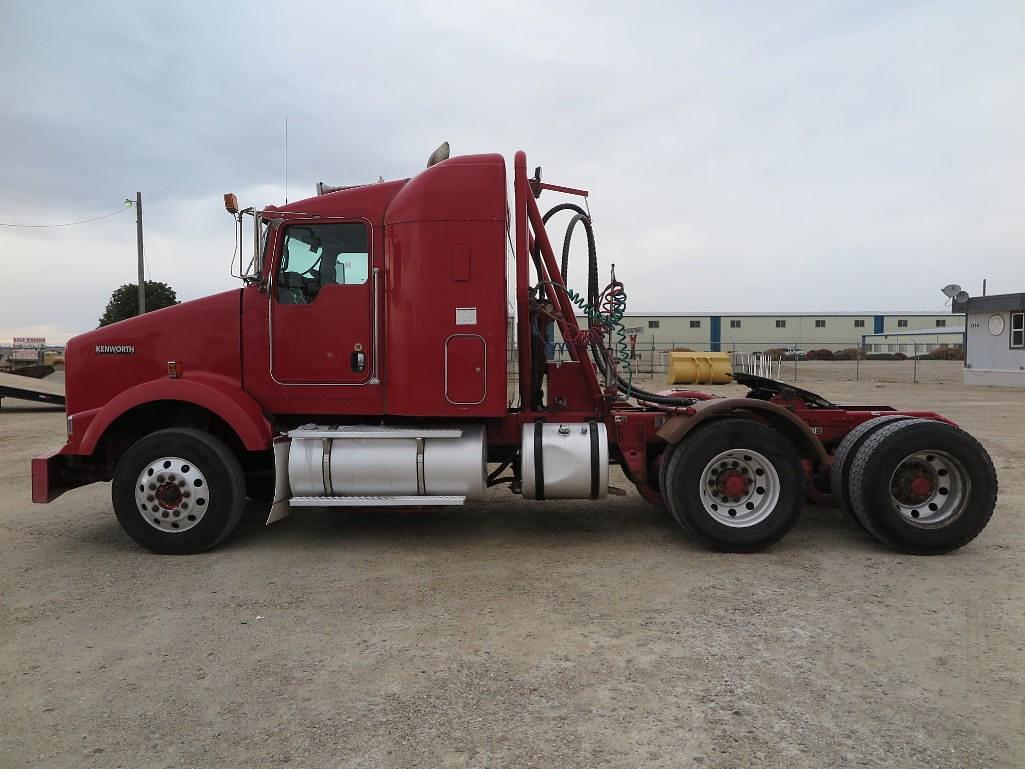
pixel 605 311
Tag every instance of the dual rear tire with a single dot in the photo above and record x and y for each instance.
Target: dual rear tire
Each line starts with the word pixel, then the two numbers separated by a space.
pixel 844 455
pixel 921 486
pixel 734 484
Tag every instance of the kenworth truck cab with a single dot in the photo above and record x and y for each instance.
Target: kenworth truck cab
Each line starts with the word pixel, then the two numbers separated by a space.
pixel 366 362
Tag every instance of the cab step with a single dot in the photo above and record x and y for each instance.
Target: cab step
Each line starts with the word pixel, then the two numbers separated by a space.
pixel 410 500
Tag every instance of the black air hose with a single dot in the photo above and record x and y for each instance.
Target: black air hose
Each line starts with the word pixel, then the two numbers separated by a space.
pixel 592 257
pixel 598 352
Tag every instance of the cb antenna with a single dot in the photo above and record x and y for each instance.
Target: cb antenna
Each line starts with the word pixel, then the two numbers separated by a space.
pixel 286 159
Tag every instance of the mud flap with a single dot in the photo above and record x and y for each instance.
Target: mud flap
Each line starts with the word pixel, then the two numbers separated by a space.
pixel 280 508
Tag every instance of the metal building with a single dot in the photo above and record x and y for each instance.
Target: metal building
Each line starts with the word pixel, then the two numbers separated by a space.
pixel 915 341
pixel 757 332
pixel 995 339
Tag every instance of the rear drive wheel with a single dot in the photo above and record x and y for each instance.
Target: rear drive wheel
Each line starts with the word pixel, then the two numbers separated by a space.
pixel 178 491
pixel 735 484
pixel 923 487
pixel 840 472
pixel 664 490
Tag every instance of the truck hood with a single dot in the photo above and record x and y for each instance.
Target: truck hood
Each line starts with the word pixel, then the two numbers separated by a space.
pixel 203 335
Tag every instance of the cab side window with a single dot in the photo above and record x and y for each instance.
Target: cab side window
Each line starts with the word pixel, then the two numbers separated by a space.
pixel 318 255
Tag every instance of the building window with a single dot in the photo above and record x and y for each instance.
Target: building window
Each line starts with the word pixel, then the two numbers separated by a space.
pixel 941 323
pixel 1018 329
pixel 695 324
pixel 902 323
pixel 820 324
pixel 781 324
pixel 859 323
pixel 734 324
pixel 652 324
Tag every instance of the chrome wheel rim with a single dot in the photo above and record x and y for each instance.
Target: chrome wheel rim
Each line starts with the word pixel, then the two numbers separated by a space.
pixel 171 494
pixel 929 489
pixel 739 488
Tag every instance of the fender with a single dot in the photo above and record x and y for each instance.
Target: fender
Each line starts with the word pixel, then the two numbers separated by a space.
pixel 216 394
pixel 807 443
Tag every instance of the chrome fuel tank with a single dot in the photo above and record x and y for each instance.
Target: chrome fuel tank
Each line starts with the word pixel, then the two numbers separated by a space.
pixel 359 460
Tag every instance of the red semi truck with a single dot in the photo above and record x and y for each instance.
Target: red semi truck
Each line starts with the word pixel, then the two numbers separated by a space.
pixel 366 359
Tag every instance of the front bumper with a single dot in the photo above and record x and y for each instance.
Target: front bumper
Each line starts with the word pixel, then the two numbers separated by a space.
pixel 55 473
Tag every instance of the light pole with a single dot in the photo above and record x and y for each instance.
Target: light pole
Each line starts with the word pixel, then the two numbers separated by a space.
pixel 138 238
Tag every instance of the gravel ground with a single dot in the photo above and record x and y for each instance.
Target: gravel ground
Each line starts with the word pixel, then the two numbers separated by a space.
pixel 513 633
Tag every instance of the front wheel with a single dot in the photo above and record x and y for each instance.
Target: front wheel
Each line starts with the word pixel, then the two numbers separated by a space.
pixel 178 491
pixel 735 484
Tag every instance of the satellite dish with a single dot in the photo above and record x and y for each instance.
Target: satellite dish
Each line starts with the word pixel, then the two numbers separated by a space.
pixel 442 153
pixel 961 297
pixel 951 290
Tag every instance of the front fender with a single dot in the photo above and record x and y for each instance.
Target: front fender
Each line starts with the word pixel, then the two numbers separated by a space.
pixel 218 395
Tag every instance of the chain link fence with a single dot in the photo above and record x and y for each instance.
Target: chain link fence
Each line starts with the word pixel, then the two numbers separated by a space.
pixel 854 361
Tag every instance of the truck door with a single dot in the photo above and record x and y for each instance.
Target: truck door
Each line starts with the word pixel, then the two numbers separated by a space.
pixel 321 305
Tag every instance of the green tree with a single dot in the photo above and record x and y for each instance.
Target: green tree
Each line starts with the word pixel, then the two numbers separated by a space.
pixel 124 302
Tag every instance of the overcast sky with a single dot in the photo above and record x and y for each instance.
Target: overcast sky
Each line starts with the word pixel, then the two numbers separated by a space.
pixel 741 156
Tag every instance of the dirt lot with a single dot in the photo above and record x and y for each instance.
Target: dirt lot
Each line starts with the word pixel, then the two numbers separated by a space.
pixel 515 633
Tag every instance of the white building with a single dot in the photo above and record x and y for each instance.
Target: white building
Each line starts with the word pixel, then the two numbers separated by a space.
pixel 995 339
pixel 915 341
pixel 757 332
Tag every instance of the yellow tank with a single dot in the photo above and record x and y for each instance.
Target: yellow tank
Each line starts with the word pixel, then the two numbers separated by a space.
pixel 698 368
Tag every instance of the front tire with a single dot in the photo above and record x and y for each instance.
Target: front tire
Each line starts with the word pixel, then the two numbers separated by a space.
pixel 178 491
pixel 735 484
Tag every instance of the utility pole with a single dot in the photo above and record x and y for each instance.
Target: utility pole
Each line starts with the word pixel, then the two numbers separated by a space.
pixel 138 235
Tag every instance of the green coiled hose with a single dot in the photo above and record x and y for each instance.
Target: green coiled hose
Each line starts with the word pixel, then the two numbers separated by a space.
pixel 607 319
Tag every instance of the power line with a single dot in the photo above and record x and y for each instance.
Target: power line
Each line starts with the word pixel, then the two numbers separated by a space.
pixel 66 224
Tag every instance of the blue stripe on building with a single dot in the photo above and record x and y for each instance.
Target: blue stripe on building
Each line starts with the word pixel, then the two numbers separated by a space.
pixel 715 333
pixel 878 324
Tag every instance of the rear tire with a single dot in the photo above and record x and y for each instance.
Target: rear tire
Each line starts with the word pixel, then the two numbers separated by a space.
pixel 735 484
pixel 922 486
pixel 840 472
pixel 663 487
pixel 178 491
